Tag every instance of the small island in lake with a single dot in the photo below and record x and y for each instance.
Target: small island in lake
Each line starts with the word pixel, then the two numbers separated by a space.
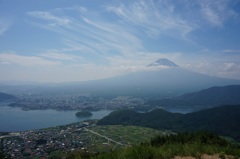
pixel 83 114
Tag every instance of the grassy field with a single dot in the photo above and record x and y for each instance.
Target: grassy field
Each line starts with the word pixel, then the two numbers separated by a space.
pixel 129 135
pixel 126 135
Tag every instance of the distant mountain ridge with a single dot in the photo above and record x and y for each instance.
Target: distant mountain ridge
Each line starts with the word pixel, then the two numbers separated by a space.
pixel 223 120
pixel 213 96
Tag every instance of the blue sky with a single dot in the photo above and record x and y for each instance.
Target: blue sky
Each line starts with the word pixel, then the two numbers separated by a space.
pixel 63 40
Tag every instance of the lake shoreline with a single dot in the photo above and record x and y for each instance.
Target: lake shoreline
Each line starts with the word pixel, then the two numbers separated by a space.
pixel 14 119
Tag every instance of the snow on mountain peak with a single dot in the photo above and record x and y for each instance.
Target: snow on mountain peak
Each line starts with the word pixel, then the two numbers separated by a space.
pixel 163 62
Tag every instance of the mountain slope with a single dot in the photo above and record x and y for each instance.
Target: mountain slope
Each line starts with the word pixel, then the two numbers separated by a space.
pixel 224 120
pixel 213 96
pixel 166 82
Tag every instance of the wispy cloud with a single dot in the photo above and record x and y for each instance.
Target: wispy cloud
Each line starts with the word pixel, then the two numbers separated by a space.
pixel 155 17
pixel 217 12
pixel 60 55
pixel 231 66
pixel 52 19
pixel 4 26
pixel 230 70
pixel 114 43
pixel 219 64
pixel 89 34
pixel 93 33
pixel 231 51
pixel 26 61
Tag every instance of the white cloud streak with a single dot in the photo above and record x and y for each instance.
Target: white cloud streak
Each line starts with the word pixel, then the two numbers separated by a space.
pixel 4 26
pixel 52 19
pixel 216 12
pixel 221 64
pixel 89 35
pixel 114 43
pixel 59 55
pixel 156 17
pixel 26 61
pixel 231 51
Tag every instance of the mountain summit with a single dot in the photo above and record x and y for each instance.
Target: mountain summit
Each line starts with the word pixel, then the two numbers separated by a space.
pixel 163 62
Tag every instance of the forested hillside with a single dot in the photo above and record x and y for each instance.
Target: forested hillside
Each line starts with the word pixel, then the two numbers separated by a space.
pixel 223 120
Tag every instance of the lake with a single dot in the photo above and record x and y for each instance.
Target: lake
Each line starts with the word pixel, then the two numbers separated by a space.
pixel 15 119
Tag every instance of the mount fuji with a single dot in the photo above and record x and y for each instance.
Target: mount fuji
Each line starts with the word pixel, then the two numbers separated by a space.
pixel 167 79
pixel 163 62
pixel 161 79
